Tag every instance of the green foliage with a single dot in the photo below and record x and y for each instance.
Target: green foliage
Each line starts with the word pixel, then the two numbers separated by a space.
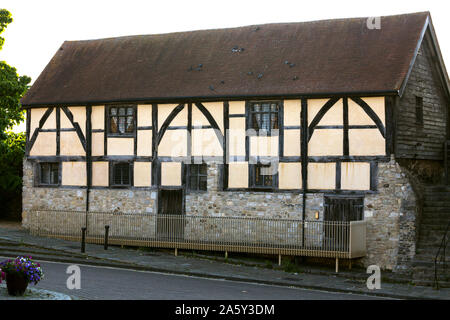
pixel 12 145
pixel 12 88
pixel 11 154
pixel 5 19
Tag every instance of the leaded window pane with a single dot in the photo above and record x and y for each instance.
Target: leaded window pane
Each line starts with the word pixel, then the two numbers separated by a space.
pixel 113 125
pixel 265 121
pixel 274 122
pixel 264 116
pixel 121 120
pixel 121 125
pixel 130 126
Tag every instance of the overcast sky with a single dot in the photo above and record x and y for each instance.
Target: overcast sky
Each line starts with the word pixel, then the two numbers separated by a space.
pixel 40 27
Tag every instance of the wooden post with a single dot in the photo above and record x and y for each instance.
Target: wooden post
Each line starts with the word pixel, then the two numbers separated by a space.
pixel 337 265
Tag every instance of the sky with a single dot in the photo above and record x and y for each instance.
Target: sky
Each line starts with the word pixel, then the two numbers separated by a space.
pixel 40 27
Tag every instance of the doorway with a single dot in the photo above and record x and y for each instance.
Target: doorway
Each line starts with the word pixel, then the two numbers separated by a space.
pixel 340 209
pixel 170 222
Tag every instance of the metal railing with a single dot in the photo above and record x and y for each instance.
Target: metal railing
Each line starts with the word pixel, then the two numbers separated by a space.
pixel 440 257
pixel 233 234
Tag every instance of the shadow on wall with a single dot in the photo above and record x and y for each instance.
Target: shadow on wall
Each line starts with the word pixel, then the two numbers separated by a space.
pixel 426 171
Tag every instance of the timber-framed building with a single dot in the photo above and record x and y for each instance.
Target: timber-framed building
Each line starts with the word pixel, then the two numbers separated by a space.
pixel 317 121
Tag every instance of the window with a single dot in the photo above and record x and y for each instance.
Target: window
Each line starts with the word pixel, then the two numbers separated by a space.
pixel 419 111
pixel 263 177
pixel 121 175
pixel 121 120
pixel 264 116
pixel 198 177
pixel 48 174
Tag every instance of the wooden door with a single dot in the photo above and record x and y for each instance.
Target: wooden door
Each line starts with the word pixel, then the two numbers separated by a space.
pixel 340 209
pixel 170 224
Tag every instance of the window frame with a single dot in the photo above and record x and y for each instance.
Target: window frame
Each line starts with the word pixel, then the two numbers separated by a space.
pixel 419 111
pixel 251 112
pixel 253 176
pixel 198 176
pixel 38 174
pixel 112 166
pixel 109 116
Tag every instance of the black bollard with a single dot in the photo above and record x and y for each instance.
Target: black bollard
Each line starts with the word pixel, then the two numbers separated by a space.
pixel 106 237
pixel 83 239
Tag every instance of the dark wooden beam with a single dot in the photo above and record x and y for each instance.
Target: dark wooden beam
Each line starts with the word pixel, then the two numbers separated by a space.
pixel 36 130
pixel 154 144
pixel 369 111
pixel 167 122
pixel 212 121
pixel 327 106
pixel 226 142
pixel 346 146
pixel 189 129
pixel 58 129
pixel 76 126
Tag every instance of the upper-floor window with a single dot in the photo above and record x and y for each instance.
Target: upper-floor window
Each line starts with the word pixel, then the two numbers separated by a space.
pixel 419 111
pixel 198 177
pixel 121 120
pixel 121 174
pixel 264 116
pixel 48 174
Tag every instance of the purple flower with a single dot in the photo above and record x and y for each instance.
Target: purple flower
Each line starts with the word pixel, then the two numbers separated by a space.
pixel 24 266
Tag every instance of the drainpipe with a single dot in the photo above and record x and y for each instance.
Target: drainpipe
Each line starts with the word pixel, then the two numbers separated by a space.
pixel 304 156
pixel 88 157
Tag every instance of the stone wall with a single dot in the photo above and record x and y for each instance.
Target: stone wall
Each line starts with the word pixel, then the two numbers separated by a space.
pixel 283 205
pixel 391 216
pixel 391 213
pixel 74 199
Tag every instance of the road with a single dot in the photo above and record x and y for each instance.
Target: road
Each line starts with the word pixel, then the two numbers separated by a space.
pixel 124 284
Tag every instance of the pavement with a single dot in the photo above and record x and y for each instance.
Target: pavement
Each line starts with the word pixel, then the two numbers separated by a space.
pixel 14 241
pixel 33 294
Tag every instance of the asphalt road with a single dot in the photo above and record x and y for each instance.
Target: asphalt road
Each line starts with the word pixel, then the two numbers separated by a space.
pixel 124 284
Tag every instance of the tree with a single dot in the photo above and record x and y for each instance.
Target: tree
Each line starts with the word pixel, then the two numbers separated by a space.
pixel 12 145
